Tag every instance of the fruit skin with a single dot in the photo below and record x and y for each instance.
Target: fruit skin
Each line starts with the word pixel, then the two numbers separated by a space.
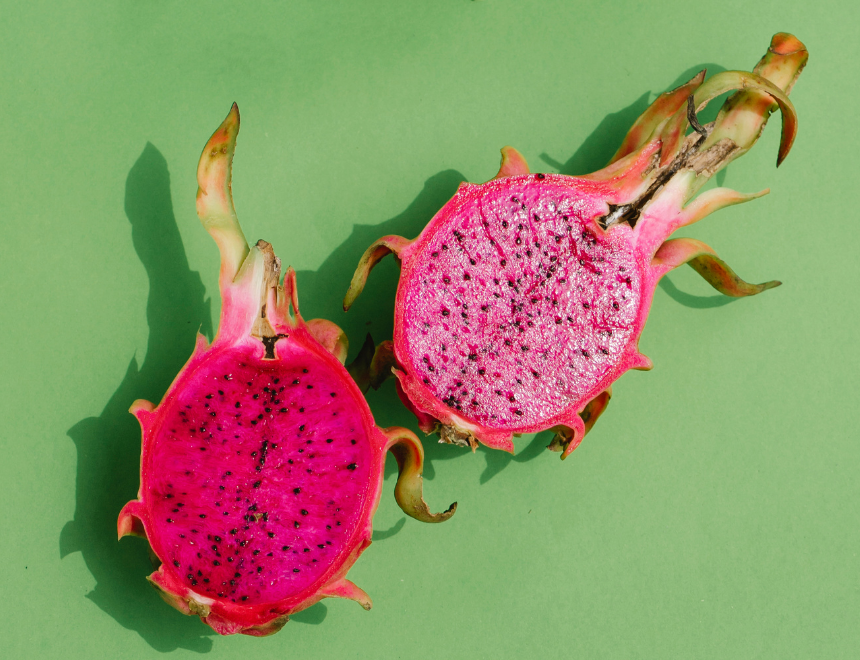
pixel 261 333
pixel 624 213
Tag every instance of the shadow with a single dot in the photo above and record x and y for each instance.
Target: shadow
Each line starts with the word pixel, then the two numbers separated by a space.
pixel 382 534
pixel 321 291
pixel 689 300
pixel 108 446
pixel 314 615
pixel 499 460
pixel 596 150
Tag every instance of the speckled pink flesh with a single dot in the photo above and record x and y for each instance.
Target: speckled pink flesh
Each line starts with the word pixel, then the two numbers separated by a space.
pixel 263 474
pixel 518 304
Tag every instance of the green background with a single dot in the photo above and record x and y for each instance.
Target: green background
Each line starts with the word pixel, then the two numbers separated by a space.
pixel 712 513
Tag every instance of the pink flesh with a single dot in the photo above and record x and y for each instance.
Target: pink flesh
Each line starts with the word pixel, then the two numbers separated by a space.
pixel 299 460
pixel 519 305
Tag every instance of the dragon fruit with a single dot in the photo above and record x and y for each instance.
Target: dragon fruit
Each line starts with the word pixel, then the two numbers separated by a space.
pixel 523 299
pixel 261 468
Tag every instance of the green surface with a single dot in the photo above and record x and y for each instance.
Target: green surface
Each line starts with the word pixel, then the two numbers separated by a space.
pixel 712 513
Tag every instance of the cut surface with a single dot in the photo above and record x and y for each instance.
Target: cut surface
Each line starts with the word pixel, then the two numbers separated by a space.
pixel 263 473
pixel 519 304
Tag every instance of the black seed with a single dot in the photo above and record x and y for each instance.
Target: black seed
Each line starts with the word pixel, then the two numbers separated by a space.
pixel 351 466
pixel 176 563
pixel 304 512
pixel 295 570
pixel 244 598
pixel 296 524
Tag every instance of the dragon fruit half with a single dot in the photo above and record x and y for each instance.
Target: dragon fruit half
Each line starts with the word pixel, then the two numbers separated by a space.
pixel 523 299
pixel 262 467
